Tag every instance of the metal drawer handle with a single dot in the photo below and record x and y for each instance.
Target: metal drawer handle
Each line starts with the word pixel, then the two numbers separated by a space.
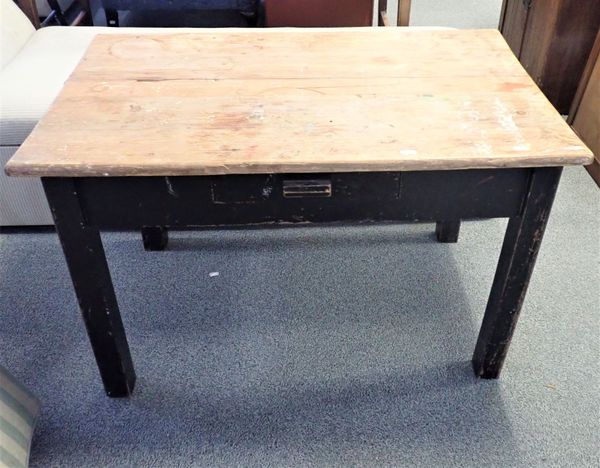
pixel 306 188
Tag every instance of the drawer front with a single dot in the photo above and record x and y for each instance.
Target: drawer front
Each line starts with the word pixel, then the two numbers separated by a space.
pixel 131 202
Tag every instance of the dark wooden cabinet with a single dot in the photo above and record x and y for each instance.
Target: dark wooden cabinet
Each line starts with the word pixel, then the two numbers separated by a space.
pixel 77 14
pixel 332 13
pixel 585 112
pixel 30 9
pixel 552 39
pixel 318 13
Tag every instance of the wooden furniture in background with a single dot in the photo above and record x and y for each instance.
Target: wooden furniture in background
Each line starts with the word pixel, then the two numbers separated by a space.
pixel 318 13
pixel 183 13
pixel 585 112
pixel 324 125
pixel 30 9
pixel 331 13
pixel 552 39
pixel 403 13
pixel 78 13
pixel 82 15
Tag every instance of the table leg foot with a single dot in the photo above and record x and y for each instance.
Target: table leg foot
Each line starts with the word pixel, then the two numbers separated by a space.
pixel 112 17
pixel 515 266
pixel 87 264
pixel 155 238
pixel 447 231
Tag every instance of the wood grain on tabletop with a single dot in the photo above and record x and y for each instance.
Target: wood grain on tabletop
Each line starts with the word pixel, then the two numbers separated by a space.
pixel 297 100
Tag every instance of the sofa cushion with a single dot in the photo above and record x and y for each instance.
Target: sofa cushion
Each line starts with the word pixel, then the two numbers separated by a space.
pixel 19 410
pixel 22 199
pixel 33 79
pixel 15 31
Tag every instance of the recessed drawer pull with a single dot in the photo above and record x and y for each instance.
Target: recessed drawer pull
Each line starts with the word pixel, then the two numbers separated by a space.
pixel 306 188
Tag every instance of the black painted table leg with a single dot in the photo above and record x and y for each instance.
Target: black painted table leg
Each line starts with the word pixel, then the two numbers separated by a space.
pixel 85 257
pixel 155 237
pixel 447 231
pixel 112 17
pixel 517 258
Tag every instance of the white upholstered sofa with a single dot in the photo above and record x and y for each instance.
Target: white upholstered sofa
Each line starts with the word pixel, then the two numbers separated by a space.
pixel 33 68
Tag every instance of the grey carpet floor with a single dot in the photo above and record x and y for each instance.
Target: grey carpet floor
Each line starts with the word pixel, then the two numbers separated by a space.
pixel 315 347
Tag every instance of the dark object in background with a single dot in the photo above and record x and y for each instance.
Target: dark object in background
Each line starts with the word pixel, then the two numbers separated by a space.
pixel 30 9
pixel 585 112
pixel 403 17
pixel 183 13
pixel 77 13
pixel 318 13
pixel 155 238
pixel 552 39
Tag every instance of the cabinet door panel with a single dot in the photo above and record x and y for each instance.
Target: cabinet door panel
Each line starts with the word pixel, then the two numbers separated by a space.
pixel 558 39
pixel 585 116
pixel 512 23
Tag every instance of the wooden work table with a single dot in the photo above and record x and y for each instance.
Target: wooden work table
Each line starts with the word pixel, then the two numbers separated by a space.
pixel 361 99
pixel 282 126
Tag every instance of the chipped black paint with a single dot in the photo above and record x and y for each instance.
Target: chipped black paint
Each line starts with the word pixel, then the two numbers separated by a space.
pixel 83 206
pixel 447 231
pixel 519 251
pixel 155 238
pixel 134 202
pixel 85 257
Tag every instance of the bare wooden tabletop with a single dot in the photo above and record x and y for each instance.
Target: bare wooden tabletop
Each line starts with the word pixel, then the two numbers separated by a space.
pixel 225 101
